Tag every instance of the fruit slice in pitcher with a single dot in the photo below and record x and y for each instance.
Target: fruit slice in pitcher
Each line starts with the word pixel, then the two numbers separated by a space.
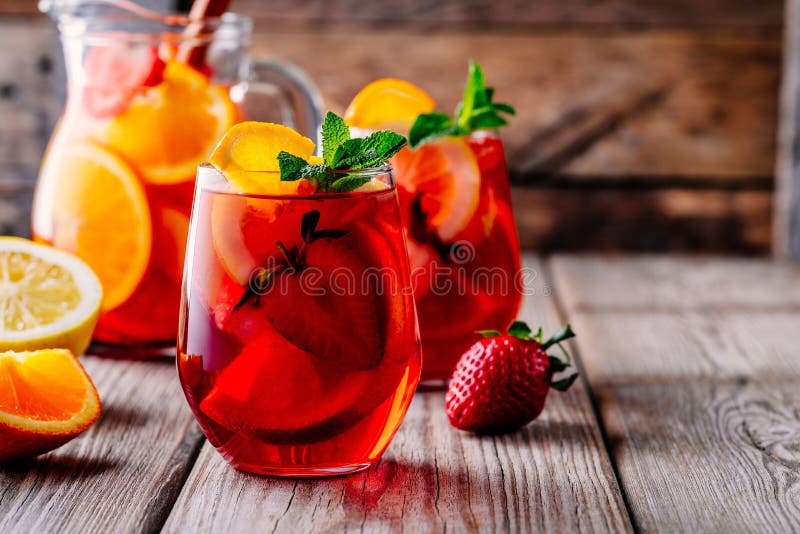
pixel 101 215
pixel 172 127
pixel 114 73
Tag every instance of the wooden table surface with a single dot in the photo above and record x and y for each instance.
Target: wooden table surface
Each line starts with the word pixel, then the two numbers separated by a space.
pixel 687 418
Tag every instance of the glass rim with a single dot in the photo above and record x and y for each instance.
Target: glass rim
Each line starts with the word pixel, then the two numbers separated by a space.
pixel 206 172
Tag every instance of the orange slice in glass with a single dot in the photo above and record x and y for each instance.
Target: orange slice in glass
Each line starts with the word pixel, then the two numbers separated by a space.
pixel 101 215
pixel 388 103
pixel 169 129
pixel 444 177
pixel 46 399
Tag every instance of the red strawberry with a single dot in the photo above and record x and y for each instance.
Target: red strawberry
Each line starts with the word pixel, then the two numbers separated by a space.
pixel 501 383
pixel 114 73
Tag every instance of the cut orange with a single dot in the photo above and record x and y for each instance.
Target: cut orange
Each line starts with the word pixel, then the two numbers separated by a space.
pixel 388 103
pixel 101 215
pixel 248 156
pixel 46 399
pixel 172 127
pixel 444 177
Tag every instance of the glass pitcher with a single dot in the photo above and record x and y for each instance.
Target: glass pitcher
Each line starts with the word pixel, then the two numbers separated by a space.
pixel 148 97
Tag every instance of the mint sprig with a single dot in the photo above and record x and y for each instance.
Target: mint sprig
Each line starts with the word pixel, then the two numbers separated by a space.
pixel 476 111
pixel 341 153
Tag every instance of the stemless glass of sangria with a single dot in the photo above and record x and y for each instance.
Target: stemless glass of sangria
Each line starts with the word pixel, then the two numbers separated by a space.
pixel 298 346
pixel 456 208
pixel 143 109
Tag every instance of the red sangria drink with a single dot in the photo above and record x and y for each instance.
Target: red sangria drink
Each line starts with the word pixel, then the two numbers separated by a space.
pixel 298 347
pixel 463 246
pixel 456 208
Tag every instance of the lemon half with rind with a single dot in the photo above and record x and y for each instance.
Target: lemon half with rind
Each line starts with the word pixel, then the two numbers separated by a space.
pixel 48 298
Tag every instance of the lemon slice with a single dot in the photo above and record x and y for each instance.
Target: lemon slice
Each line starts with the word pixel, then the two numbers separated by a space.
pixel 48 298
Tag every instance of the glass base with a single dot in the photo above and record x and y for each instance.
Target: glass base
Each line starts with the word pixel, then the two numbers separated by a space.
pixel 296 471
pixel 159 349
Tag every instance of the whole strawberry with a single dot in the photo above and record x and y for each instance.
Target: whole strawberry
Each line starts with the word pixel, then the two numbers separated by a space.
pixel 501 383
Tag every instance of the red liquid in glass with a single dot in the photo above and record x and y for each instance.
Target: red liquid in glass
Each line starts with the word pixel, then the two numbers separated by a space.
pixel 314 376
pixel 472 281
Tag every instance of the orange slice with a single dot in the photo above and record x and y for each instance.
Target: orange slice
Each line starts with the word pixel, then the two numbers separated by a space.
pixel 445 178
pixel 388 103
pixel 169 129
pixel 101 215
pixel 248 156
pixel 46 399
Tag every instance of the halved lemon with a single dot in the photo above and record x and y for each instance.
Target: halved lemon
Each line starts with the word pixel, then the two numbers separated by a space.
pixel 170 128
pixel 101 215
pixel 48 298
pixel 388 103
pixel 444 177
pixel 46 399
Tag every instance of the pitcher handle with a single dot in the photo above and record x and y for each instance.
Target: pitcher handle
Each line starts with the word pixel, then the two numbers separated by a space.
pixel 301 100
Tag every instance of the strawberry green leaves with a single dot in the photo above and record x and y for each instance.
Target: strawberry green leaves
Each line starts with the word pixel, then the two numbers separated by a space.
pixel 476 111
pixel 521 330
pixel 342 154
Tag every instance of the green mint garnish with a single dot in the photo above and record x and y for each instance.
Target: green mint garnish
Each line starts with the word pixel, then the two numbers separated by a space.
pixel 341 153
pixel 475 112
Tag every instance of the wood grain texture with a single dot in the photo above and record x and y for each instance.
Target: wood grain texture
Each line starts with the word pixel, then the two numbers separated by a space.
pixel 605 217
pixel 693 367
pixel 644 104
pixel 740 14
pixel 669 284
pixel 551 476
pixel 732 14
pixel 787 190
pixel 120 476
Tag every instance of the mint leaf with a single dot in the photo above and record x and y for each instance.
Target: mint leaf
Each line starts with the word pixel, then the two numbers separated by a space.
pixel 429 126
pixel 476 111
pixel 290 166
pixel 345 155
pixel 378 147
pixel 341 153
pixel 334 133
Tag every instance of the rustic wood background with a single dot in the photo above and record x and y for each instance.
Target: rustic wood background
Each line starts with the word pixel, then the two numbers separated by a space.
pixel 643 125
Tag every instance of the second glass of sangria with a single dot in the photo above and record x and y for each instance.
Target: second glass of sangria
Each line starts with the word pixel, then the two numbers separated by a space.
pixel 455 204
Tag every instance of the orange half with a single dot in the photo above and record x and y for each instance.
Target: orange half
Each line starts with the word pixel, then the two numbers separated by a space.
pixel 46 399
pixel 388 103
pixel 101 215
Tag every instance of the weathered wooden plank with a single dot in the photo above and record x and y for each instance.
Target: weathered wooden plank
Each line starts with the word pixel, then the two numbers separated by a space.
pixel 666 284
pixel 787 191
pixel 739 14
pixel 604 217
pixel 551 476
pixel 520 13
pixel 694 371
pixel 122 475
